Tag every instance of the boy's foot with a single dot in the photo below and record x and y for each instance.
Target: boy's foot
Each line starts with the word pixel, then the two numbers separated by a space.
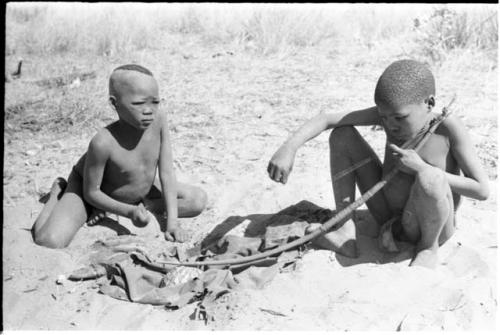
pixel 386 239
pixel 427 258
pixel 342 240
pixel 96 217
pixel 176 234
pixel 56 190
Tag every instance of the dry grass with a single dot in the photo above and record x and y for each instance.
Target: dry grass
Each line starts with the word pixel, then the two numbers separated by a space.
pixel 48 28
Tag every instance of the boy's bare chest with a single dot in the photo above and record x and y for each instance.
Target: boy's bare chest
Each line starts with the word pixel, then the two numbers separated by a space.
pixel 435 152
pixel 135 161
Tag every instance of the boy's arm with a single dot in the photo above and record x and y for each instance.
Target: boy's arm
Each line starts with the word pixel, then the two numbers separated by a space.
pixel 97 156
pixel 281 163
pixel 167 178
pixel 474 182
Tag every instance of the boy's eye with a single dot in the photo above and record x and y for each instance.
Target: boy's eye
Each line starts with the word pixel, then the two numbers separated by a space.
pixel 399 118
pixel 156 102
pixel 138 103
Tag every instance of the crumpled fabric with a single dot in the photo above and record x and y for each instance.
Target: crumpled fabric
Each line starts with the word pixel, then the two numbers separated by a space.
pixel 133 282
pixel 134 275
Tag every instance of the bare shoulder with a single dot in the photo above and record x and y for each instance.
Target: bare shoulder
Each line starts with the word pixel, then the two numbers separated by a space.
pixel 162 118
pixel 453 128
pixel 163 123
pixel 363 117
pixel 102 141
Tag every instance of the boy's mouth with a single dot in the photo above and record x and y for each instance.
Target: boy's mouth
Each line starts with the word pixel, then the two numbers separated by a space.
pixel 398 139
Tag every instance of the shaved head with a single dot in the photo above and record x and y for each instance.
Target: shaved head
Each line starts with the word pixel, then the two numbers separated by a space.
pixel 122 77
pixel 404 82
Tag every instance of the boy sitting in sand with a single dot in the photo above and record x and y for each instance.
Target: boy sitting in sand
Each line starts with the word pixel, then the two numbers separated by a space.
pixel 425 193
pixel 118 172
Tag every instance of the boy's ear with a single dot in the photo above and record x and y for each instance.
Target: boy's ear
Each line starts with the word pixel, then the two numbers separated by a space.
pixel 430 102
pixel 112 101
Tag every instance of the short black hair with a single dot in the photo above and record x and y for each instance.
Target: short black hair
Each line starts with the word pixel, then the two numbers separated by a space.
pixel 126 67
pixel 404 82
pixel 134 67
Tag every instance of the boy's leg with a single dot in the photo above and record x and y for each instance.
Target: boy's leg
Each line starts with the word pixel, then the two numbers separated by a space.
pixel 56 191
pixel 347 147
pixel 428 219
pixel 66 217
pixel 191 200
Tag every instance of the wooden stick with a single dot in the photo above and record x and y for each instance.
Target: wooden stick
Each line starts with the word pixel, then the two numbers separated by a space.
pixel 333 221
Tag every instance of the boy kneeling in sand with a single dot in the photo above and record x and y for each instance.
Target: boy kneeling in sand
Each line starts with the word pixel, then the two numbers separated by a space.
pixel 426 192
pixel 118 172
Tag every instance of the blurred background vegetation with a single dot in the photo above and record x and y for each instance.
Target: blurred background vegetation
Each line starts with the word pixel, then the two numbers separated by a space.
pixel 107 29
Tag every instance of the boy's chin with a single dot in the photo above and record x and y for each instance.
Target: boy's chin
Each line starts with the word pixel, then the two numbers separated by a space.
pixel 396 140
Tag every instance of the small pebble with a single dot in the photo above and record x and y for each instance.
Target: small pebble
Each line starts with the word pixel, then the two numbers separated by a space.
pixel 60 279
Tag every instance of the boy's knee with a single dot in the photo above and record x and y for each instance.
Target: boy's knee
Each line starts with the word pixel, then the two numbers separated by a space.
pixel 199 200
pixel 49 240
pixel 343 132
pixel 432 182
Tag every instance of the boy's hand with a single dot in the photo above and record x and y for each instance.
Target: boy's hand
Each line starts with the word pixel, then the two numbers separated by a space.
pixel 176 234
pixel 281 164
pixel 140 216
pixel 409 160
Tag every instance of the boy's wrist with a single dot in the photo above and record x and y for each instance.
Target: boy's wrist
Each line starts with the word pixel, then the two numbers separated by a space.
pixel 169 218
pixel 131 210
pixel 291 146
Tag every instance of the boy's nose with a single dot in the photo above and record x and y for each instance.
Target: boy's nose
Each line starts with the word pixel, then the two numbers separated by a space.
pixel 394 130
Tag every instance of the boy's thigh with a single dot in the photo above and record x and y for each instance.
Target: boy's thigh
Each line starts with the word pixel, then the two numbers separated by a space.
pixel 68 215
pixel 422 208
pixel 154 201
pixel 184 191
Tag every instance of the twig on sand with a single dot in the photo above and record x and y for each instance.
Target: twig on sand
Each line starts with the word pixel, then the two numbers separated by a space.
pixel 271 312
pixel 398 329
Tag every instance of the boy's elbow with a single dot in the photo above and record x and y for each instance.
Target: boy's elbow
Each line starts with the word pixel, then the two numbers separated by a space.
pixel 89 196
pixel 484 192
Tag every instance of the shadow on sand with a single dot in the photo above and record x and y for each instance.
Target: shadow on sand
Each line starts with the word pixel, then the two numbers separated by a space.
pixel 113 225
pixel 305 212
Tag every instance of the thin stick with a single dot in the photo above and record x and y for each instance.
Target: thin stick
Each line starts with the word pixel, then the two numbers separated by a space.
pixel 330 223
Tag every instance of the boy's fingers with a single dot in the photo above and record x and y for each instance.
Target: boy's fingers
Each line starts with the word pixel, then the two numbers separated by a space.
pixel 270 170
pixel 396 148
pixel 277 175
pixel 169 237
pixel 285 178
pixel 272 174
pixel 182 237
